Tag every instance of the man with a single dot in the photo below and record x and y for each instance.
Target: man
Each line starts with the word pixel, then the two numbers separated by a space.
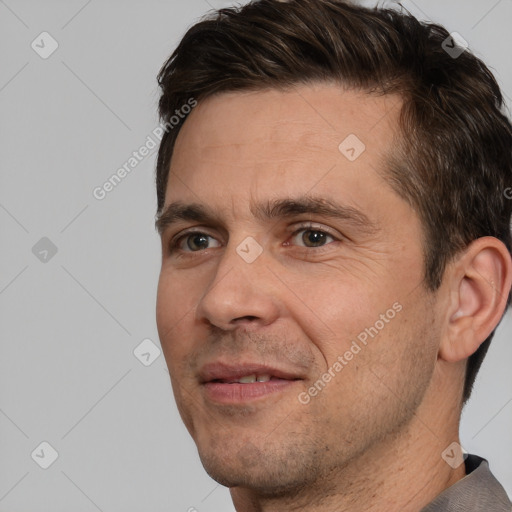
pixel 332 203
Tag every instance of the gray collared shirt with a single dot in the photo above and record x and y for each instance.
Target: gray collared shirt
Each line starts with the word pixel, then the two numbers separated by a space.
pixel 478 491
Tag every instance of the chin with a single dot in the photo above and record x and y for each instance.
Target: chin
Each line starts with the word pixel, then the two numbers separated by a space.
pixel 267 471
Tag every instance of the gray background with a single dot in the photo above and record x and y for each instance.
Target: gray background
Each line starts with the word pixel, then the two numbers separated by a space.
pixel 69 324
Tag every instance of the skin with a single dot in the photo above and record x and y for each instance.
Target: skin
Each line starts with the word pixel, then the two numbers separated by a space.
pixel 372 438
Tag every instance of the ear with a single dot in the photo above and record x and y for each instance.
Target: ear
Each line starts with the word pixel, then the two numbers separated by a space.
pixel 479 283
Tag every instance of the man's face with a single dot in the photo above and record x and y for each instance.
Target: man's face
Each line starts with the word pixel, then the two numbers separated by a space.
pixel 291 294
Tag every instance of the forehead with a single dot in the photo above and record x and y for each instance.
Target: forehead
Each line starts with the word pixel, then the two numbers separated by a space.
pixel 260 144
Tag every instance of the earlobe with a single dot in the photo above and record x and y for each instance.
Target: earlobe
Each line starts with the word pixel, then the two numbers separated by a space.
pixel 480 282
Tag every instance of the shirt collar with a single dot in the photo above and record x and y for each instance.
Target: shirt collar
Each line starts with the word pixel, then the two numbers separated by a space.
pixel 478 491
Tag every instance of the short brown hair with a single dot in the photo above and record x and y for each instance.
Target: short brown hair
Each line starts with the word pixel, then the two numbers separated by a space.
pixel 453 161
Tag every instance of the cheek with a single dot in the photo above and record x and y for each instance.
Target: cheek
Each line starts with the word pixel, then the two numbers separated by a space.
pixel 172 308
pixel 165 307
pixel 387 375
pixel 366 333
pixel 176 293
pixel 171 318
pixel 333 314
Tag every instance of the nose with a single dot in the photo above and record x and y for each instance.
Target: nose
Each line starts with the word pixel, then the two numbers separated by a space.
pixel 240 293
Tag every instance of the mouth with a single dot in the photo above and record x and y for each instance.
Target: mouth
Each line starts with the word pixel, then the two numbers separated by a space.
pixel 231 384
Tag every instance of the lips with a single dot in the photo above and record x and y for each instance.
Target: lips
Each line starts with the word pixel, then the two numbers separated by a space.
pixel 244 373
pixel 230 384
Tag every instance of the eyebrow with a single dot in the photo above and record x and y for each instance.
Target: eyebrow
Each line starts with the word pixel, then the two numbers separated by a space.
pixel 272 209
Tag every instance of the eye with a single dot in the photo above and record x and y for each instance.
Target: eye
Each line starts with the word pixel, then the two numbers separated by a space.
pixel 193 241
pixel 308 236
pixel 312 236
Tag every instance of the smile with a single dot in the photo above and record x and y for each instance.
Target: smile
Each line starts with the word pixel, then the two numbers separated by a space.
pixel 239 383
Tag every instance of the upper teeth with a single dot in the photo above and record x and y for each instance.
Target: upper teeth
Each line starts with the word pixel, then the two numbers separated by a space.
pixel 247 379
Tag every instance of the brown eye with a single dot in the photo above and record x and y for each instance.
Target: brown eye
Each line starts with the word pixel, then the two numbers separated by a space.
pixel 193 242
pixel 312 237
pixel 197 241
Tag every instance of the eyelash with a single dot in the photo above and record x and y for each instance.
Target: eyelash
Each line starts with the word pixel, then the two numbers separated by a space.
pixel 174 245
